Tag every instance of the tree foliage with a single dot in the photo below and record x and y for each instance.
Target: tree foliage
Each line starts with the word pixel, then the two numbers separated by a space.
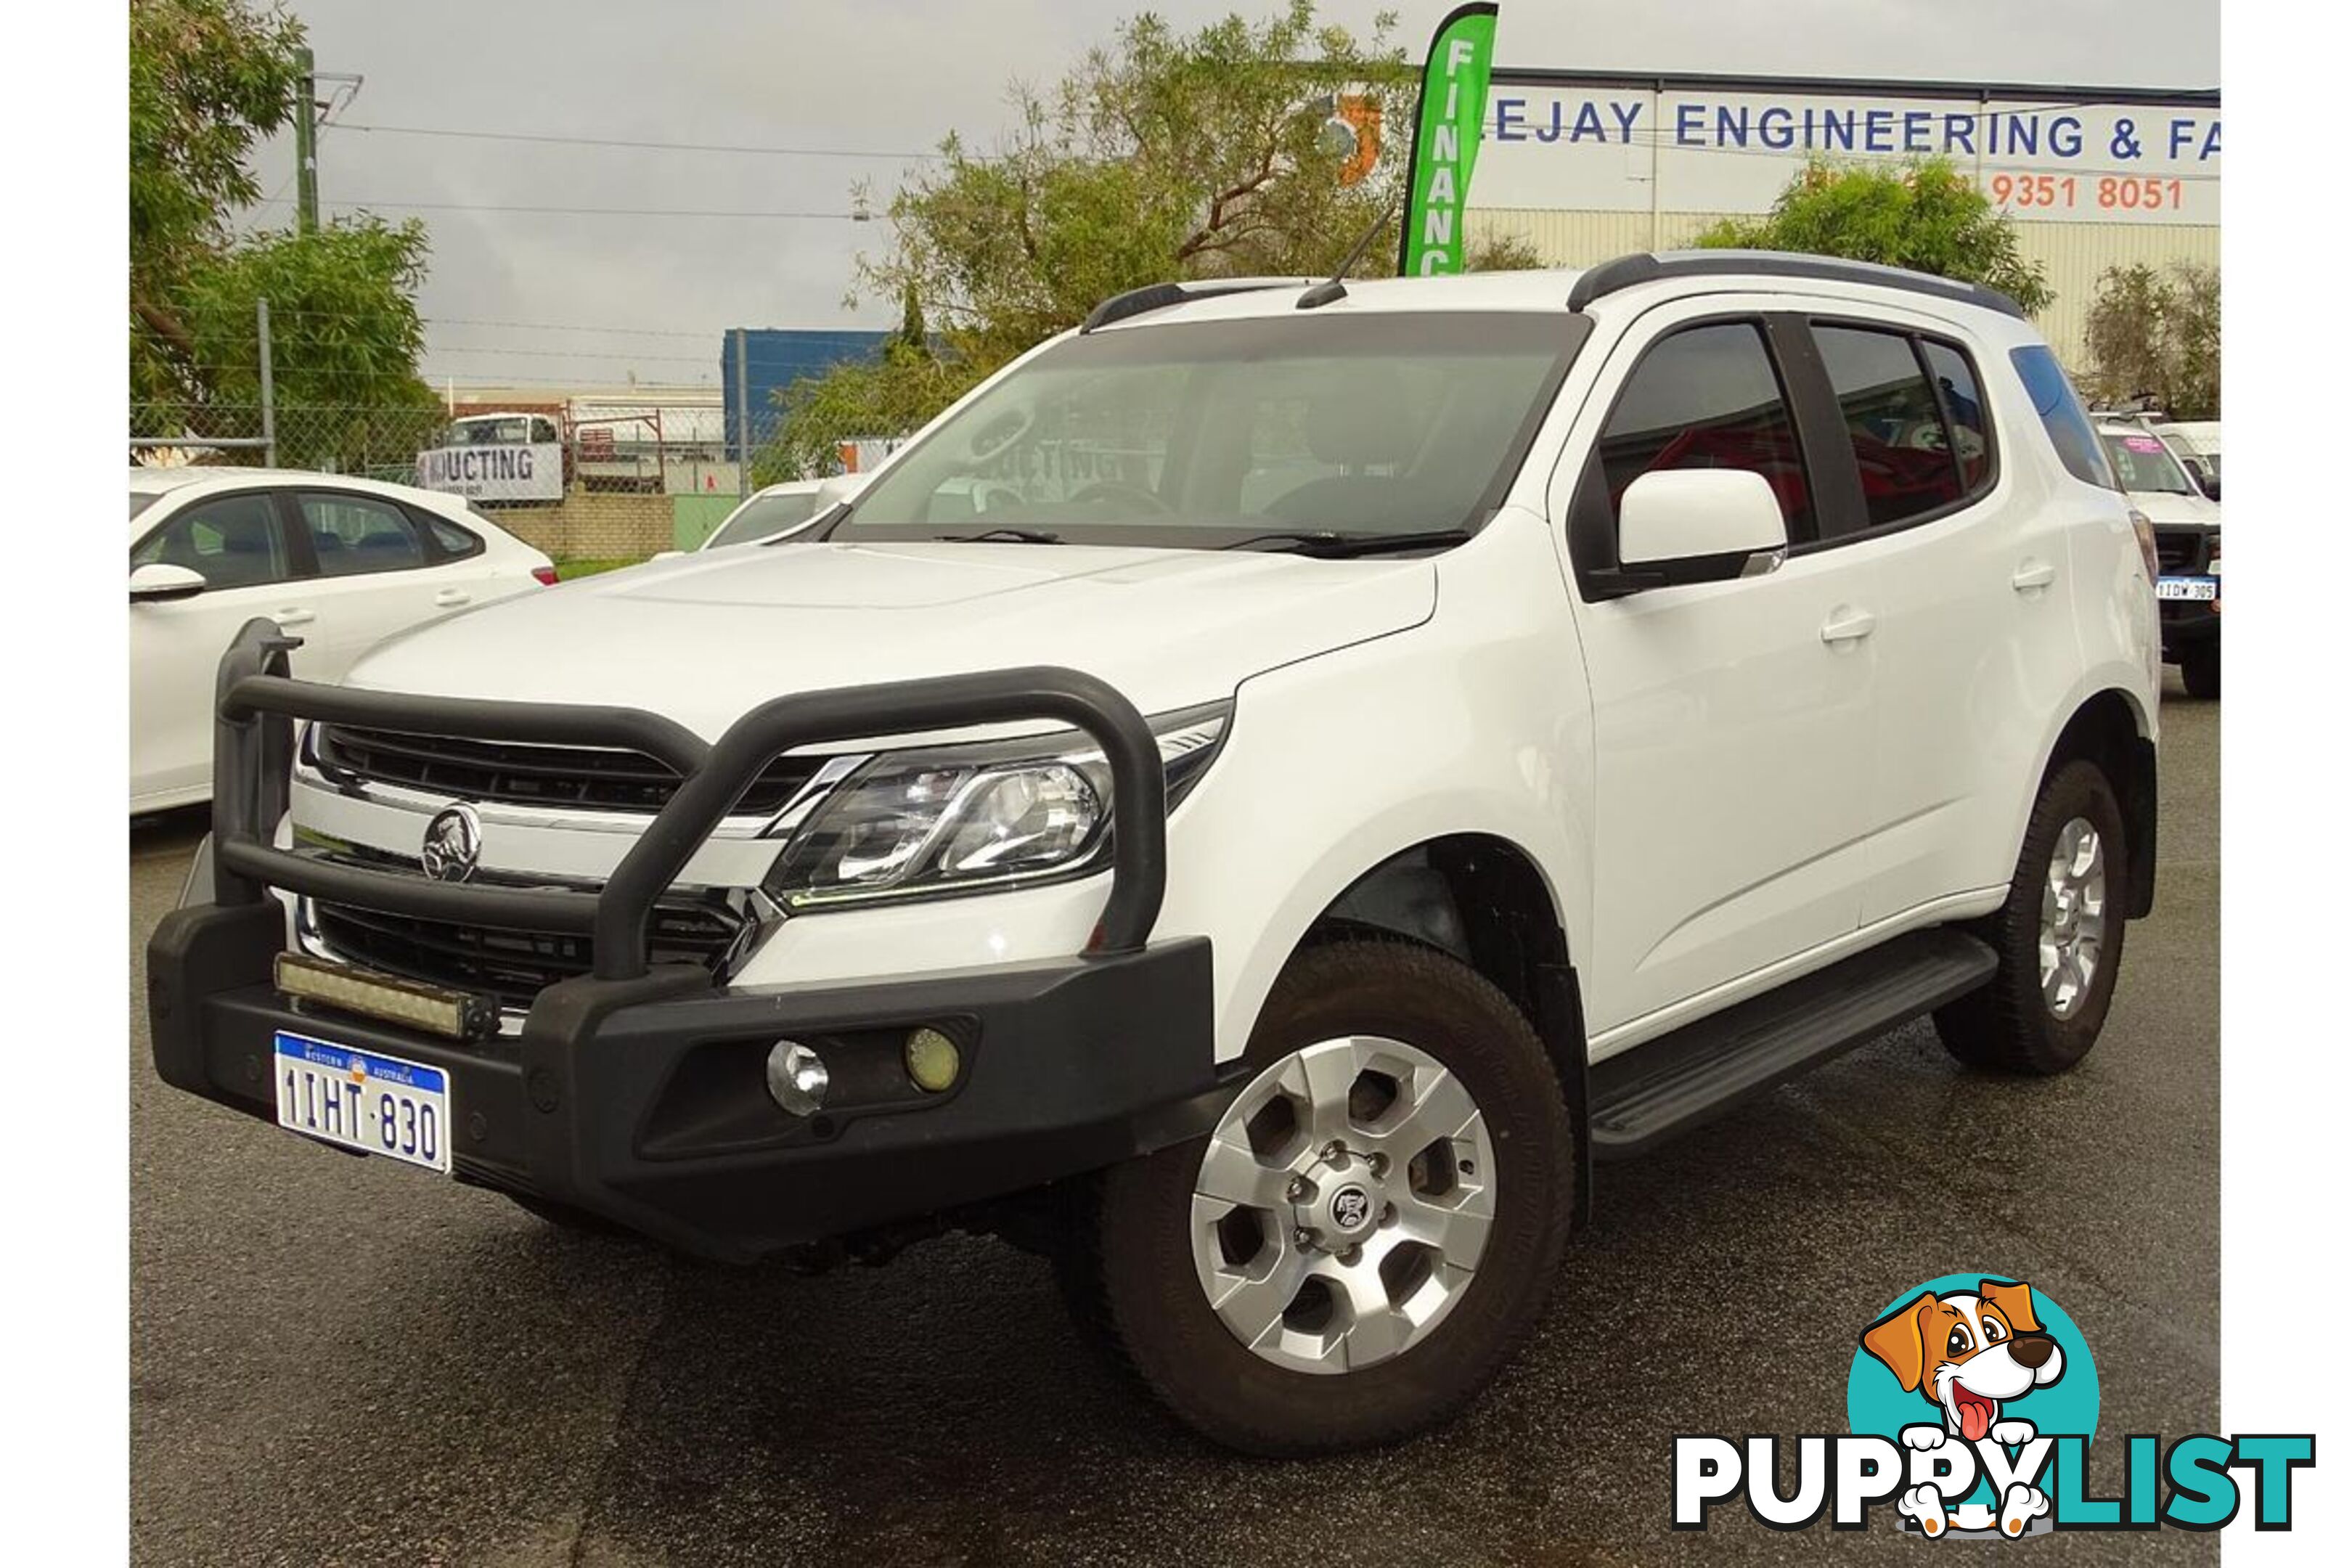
pixel 209 79
pixel 1925 214
pixel 1163 154
pixel 2157 336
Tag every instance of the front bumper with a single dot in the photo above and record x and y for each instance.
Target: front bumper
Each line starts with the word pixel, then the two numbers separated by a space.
pixel 636 1091
pixel 643 1100
pixel 2188 623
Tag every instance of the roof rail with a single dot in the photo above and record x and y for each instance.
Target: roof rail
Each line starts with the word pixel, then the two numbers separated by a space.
pixel 1160 296
pixel 1644 267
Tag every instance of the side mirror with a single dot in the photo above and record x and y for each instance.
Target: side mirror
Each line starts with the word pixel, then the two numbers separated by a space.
pixel 159 583
pixel 2212 486
pixel 1696 525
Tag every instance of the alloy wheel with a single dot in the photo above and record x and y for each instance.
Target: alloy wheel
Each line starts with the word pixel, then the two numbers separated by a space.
pixel 1343 1204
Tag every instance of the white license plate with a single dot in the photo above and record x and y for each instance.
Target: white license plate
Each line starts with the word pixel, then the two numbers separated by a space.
pixel 358 1099
pixel 2188 587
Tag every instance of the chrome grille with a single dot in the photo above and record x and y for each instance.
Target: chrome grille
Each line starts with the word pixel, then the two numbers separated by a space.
pixel 587 777
pixel 2181 549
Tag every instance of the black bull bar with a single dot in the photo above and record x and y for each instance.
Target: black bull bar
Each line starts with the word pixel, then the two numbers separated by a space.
pixel 252 767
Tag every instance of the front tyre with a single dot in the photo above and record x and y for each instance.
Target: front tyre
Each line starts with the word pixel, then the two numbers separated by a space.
pixel 1373 1225
pixel 2201 670
pixel 2059 936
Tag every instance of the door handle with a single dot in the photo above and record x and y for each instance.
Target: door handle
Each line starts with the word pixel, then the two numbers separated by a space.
pixel 295 616
pixel 2032 575
pixel 450 598
pixel 1847 625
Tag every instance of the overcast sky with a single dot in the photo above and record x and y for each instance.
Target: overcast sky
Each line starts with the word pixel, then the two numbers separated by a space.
pixel 893 77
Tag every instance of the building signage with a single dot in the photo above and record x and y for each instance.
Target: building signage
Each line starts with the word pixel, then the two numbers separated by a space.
pixel 1691 148
pixel 516 471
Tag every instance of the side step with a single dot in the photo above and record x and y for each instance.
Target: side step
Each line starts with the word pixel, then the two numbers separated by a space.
pixel 1657 1091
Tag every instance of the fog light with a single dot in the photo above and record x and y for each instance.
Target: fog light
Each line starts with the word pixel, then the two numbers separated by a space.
pixel 932 1060
pixel 796 1078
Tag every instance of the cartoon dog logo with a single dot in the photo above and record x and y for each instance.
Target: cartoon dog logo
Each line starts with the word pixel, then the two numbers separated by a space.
pixel 1966 1353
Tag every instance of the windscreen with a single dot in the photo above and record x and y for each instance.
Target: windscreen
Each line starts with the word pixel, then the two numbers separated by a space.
pixel 1203 435
pixel 763 516
pixel 2143 464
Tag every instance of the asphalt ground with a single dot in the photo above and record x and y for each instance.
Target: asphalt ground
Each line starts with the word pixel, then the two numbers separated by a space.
pixel 339 1361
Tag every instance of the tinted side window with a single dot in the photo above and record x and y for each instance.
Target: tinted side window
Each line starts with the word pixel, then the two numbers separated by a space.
pixel 1956 380
pixel 2063 416
pixel 232 542
pixel 1706 398
pixel 353 534
pixel 1894 421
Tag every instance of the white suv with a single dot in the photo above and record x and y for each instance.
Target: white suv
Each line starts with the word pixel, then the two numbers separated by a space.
pixel 1256 801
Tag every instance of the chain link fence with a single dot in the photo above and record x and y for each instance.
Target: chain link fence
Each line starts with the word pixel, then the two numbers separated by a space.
pixel 582 478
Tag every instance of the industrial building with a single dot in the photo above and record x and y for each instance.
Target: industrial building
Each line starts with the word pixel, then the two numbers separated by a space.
pixel 1585 166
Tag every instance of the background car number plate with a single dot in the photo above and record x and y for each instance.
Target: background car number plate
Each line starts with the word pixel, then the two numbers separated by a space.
pixel 358 1099
pixel 2188 587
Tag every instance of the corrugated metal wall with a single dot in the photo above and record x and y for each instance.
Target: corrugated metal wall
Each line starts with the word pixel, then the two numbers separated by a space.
pixel 2073 255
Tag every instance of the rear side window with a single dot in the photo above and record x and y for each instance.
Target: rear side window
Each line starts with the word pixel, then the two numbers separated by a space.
pixel 2063 416
pixel 1707 397
pixel 354 535
pixel 1895 422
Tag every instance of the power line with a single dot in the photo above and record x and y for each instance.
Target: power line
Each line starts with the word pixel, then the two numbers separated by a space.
pixel 591 211
pixel 642 146
pixel 564 327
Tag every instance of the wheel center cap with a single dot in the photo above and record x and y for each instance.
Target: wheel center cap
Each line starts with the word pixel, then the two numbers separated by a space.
pixel 1351 1209
pixel 1338 1202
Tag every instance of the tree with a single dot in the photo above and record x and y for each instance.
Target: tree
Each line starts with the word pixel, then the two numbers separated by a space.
pixel 1925 216
pixel 2158 337
pixel 208 79
pixel 1242 149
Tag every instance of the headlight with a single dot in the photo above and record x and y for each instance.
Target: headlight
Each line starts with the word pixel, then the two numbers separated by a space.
pixel 955 819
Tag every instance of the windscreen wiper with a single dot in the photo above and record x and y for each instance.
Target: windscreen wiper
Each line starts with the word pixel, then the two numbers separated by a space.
pixel 1329 544
pixel 1002 536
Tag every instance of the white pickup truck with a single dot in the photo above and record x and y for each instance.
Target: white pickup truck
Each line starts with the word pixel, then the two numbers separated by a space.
pixel 1258 801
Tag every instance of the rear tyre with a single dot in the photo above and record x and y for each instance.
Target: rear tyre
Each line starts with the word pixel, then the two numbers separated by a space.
pixel 2201 670
pixel 1372 1229
pixel 2059 936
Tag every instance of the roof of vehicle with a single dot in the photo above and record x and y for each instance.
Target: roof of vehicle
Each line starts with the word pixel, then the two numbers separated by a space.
pixel 155 481
pixel 2200 435
pixel 1558 289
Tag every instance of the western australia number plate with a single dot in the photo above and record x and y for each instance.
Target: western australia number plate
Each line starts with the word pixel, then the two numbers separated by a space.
pixel 358 1099
pixel 2188 587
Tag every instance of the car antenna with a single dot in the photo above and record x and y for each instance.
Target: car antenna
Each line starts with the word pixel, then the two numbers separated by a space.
pixel 1331 289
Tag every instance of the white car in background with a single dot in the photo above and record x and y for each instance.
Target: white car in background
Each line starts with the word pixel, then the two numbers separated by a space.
pixel 776 510
pixel 341 563
pixel 2187 524
pixel 2197 444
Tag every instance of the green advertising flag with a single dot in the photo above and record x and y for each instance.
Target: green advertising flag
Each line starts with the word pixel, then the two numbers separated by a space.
pixel 1445 140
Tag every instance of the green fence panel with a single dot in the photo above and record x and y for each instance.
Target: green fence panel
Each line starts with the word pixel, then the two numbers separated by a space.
pixel 694 518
